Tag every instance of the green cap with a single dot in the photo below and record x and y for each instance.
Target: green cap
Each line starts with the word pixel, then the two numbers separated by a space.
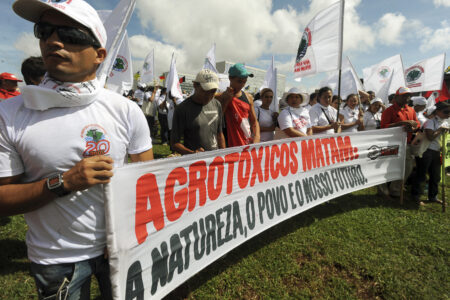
pixel 238 70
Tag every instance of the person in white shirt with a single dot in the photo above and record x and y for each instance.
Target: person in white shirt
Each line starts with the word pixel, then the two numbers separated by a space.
pixel 372 117
pixel 431 159
pixel 163 109
pixel 419 104
pixel 312 101
pixel 139 93
pixel 351 116
pixel 59 144
pixel 294 119
pixel 267 118
pixel 149 108
pixel 323 116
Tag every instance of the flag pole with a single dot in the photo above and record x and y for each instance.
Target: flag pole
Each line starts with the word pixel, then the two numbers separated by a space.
pixel 443 173
pixel 341 37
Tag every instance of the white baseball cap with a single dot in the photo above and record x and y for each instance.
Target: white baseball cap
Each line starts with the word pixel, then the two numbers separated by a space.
pixel 419 100
pixel 375 100
pixel 78 10
pixel 207 79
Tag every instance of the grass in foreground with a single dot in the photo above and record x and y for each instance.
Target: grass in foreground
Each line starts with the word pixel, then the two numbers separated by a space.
pixel 359 246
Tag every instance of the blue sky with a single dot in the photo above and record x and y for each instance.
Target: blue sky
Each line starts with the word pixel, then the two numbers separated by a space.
pixel 252 31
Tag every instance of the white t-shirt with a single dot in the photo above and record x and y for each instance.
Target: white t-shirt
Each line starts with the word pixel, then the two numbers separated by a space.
pixel 318 115
pixel 171 110
pixel 297 118
pixel 265 119
pixel 371 121
pixel 422 119
pixel 434 124
pixel 138 94
pixel 148 106
pixel 257 103
pixel 159 102
pixel 350 116
pixel 42 143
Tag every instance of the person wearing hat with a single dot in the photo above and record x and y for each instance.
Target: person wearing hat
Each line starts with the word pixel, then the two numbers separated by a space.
pixel 372 117
pixel 419 105
pixel 399 114
pixel 238 109
pixel 430 162
pixel 294 119
pixel 8 86
pixel 323 115
pixel 197 121
pixel 60 142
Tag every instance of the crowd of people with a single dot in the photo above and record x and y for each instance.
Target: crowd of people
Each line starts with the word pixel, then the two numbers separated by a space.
pixel 54 177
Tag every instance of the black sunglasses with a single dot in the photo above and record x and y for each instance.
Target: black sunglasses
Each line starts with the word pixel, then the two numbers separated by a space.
pixel 70 35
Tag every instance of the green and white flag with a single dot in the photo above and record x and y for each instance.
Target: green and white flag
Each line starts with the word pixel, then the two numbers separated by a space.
pixel 426 75
pixel 148 68
pixel 121 77
pixel 389 71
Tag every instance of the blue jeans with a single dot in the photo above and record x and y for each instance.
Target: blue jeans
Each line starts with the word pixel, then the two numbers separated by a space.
pixel 72 280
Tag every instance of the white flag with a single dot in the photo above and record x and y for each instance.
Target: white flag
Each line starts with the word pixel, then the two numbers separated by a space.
pixel 350 82
pixel 426 75
pixel 320 48
pixel 172 80
pixel 383 92
pixel 115 25
pixel 210 60
pixel 121 76
pixel 377 75
pixel 148 68
pixel 270 81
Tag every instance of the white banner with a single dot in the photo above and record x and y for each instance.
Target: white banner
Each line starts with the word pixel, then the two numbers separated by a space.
pixel 170 218
pixel 320 48
pixel 350 83
pixel 115 25
pixel 270 81
pixel 148 68
pixel 210 60
pixel 376 76
pixel 121 76
pixel 426 75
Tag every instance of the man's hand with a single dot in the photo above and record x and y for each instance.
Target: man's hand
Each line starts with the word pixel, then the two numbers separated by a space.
pixel 228 94
pixel 199 150
pixel 410 125
pixel 88 172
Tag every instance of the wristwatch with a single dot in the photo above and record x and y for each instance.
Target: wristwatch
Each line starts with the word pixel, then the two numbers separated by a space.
pixel 55 184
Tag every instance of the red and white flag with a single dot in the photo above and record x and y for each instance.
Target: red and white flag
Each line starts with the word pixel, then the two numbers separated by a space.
pixel 426 75
pixel 320 48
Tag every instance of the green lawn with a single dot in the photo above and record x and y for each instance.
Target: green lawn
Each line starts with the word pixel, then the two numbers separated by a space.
pixel 360 246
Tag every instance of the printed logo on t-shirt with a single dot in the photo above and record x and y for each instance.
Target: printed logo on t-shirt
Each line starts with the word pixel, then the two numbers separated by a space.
pixel 96 141
pixel 300 123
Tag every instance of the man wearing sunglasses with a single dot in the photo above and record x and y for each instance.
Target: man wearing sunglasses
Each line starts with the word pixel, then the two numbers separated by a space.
pixel 59 143
pixel 8 86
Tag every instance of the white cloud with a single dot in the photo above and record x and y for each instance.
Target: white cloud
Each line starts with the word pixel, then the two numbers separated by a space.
pixel 244 31
pixel 28 44
pixel 394 29
pixel 438 39
pixel 445 3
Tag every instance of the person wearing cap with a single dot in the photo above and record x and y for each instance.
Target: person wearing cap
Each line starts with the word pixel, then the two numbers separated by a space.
pixel 419 105
pixel 267 118
pixel 60 142
pixel 399 114
pixel 372 117
pixel 430 162
pixel 238 109
pixel 351 116
pixel 294 119
pixel 8 86
pixel 197 122
pixel 33 70
pixel 323 116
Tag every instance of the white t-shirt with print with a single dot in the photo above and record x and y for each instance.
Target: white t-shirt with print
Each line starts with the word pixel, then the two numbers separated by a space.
pixel 318 115
pixel 434 124
pixel 39 144
pixel 371 121
pixel 350 116
pixel 296 118
pixel 265 119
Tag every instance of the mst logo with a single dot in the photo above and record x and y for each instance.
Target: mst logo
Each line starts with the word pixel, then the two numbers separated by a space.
pixel 304 44
pixel 121 64
pixel 413 76
pixel 377 151
pixel 96 141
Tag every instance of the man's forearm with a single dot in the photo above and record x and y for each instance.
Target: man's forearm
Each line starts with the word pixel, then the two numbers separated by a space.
pixel 180 148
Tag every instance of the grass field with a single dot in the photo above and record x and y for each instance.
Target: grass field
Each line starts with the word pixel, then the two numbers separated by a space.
pixel 360 246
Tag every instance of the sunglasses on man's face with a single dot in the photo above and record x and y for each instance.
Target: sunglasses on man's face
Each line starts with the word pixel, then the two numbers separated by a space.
pixel 69 35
